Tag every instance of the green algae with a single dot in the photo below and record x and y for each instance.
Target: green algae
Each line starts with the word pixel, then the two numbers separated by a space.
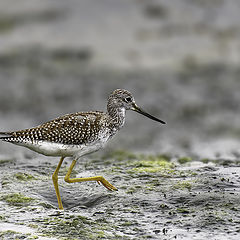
pixel 5 161
pixel 46 205
pixel 205 160
pixel 24 176
pixel 74 227
pixel 183 185
pixel 138 163
pixel 7 232
pixel 16 199
pixel 152 166
pixel 10 234
pixel 184 160
pixel 183 210
pixel 128 223
pixel 2 218
pixel 133 189
pixel 127 156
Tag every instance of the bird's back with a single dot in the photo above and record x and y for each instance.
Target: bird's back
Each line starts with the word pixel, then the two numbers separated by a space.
pixel 69 131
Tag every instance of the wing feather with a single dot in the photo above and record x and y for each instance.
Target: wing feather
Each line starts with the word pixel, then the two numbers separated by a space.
pixel 77 128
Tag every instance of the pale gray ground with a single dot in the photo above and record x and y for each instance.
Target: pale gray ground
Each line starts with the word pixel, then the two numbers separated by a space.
pixel 181 61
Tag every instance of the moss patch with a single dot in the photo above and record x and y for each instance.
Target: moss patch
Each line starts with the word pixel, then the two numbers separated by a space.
pixel 183 185
pixel 183 210
pixel 24 176
pixel 75 226
pixel 16 199
pixel 2 218
pixel 152 165
pixel 205 160
pixel 6 161
pixel 183 160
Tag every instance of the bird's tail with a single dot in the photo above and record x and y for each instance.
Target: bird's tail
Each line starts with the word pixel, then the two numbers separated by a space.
pixel 5 135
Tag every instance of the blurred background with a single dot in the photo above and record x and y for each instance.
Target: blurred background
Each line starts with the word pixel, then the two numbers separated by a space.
pixel 179 58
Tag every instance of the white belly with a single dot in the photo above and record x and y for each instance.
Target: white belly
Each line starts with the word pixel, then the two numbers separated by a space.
pixel 58 149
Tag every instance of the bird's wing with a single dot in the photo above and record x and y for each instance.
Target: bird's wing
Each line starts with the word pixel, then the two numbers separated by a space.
pixel 75 129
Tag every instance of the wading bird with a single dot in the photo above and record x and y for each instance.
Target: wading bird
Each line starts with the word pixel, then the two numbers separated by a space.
pixel 77 134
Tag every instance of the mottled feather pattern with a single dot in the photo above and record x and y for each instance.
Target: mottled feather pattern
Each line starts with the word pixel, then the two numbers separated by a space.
pixel 70 129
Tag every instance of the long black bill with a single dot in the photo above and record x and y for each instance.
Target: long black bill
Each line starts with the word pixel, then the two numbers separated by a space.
pixel 139 110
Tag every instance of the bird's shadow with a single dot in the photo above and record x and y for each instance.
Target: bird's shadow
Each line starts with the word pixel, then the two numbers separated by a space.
pixel 79 199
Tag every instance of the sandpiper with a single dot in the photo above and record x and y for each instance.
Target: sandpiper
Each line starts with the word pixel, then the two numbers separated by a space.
pixel 77 134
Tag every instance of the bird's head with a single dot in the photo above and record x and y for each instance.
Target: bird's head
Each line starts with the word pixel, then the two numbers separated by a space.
pixel 123 99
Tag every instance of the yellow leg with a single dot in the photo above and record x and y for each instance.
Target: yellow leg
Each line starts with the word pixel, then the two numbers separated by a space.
pixel 55 182
pixel 99 179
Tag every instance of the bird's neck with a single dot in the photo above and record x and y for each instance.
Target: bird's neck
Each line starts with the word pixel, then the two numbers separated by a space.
pixel 117 117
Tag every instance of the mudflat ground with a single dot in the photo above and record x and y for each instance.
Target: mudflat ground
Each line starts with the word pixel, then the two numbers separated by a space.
pixel 158 197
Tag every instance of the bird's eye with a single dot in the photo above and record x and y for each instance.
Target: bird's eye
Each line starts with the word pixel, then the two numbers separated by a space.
pixel 128 99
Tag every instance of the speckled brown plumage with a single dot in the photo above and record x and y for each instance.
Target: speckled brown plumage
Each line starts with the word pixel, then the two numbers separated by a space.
pixel 73 129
